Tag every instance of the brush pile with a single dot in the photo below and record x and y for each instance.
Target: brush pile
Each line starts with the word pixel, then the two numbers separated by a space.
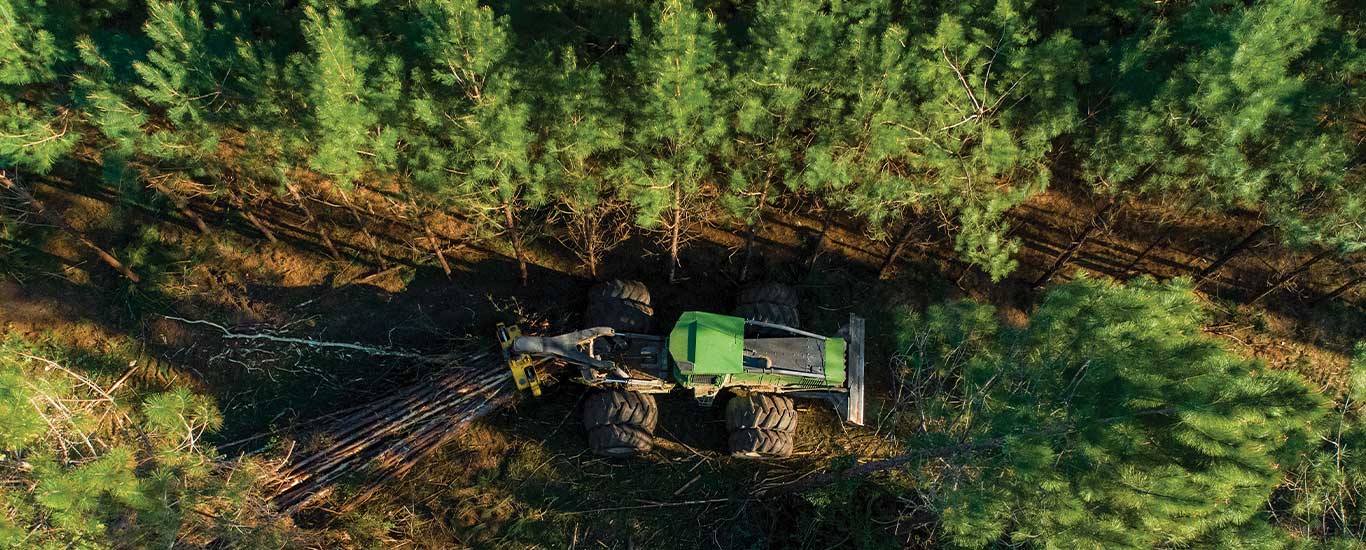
pixel 386 438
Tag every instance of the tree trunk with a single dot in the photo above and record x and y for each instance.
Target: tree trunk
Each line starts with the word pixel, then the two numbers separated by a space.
pixel 677 227
pixel 308 214
pixel 515 236
pixel 591 247
pixel 60 223
pixel 753 229
pixel 902 240
pixel 820 240
pixel 183 206
pixel 251 218
pixel 1283 279
pixel 431 237
pixel 1237 249
pixel 1100 219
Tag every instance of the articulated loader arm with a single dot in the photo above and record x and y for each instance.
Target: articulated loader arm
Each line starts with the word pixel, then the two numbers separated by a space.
pixel 523 353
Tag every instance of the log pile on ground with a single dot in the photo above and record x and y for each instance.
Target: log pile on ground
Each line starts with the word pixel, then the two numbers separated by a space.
pixel 386 438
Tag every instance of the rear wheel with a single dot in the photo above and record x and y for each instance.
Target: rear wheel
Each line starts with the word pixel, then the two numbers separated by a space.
pixel 620 423
pixel 769 303
pixel 622 305
pixel 761 425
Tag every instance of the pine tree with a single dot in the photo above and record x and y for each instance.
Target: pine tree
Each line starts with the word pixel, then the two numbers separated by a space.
pixel 1230 106
pixel 28 50
pixel 580 147
pixel 34 135
pixel 476 150
pixel 178 78
pixel 1115 422
pixel 345 125
pixel 778 78
pixel 88 469
pixel 678 121
pixel 952 118
pixel 1324 498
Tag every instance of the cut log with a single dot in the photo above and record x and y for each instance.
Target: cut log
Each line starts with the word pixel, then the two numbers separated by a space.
pixel 384 440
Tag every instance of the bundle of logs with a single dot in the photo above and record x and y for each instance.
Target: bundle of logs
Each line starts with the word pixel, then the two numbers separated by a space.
pixel 383 440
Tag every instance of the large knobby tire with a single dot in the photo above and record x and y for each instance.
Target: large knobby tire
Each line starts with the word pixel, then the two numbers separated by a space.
pixel 761 425
pixel 757 443
pixel 770 303
pixel 620 407
pixel 761 410
pixel 619 440
pixel 620 423
pixel 622 305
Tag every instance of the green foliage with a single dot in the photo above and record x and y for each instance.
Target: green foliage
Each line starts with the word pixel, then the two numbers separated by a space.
pixel 677 120
pixel 954 116
pixel 177 78
pixel 345 124
pixel 83 469
pixel 28 50
pixel 1118 423
pixel 1230 105
pixel 777 81
pixel 33 139
pixel 1324 498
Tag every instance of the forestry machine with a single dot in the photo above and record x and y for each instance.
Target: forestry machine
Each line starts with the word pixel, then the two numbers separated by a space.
pixel 754 362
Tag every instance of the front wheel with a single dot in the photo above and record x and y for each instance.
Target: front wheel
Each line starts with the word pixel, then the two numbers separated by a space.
pixel 620 423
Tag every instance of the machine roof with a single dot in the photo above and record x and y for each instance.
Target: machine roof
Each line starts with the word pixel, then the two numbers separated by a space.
pixel 708 343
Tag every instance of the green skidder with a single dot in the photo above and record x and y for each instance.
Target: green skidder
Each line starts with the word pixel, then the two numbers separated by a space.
pixel 1111 421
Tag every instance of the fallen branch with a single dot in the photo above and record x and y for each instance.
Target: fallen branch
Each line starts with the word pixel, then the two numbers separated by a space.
pixel 230 335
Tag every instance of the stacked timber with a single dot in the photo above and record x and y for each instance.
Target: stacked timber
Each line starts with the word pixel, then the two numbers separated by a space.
pixel 383 440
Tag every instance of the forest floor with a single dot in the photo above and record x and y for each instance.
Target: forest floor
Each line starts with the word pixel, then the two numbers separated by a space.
pixel 523 478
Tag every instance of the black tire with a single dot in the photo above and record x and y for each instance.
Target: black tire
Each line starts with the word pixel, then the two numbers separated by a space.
pixel 760 443
pixel 761 411
pixel 770 303
pixel 619 440
pixel 622 305
pixel 610 407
